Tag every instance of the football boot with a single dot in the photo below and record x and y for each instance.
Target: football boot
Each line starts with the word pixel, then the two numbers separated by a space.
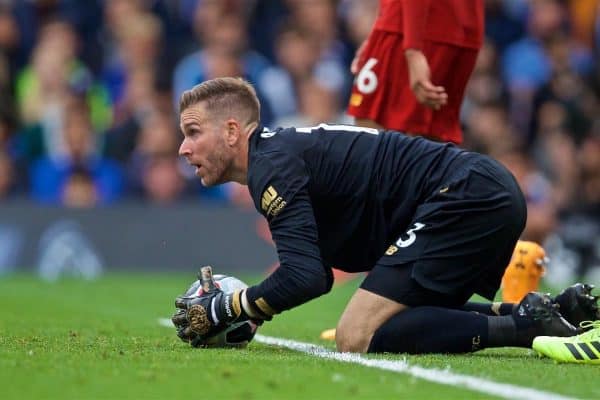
pixel 577 304
pixel 538 315
pixel 583 348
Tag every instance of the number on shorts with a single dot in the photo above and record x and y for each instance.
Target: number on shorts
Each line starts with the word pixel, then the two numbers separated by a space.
pixel 366 81
pixel 411 235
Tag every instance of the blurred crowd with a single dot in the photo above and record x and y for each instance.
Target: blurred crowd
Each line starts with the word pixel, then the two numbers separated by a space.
pixel 89 93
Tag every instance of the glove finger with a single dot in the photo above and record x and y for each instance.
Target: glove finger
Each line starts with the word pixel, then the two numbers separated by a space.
pixel 179 318
pixel 186 334
pixel 198 341
pixel 181 334
pixel 182 302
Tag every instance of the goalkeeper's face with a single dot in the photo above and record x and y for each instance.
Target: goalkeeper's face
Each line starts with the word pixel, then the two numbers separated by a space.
pixel 205 145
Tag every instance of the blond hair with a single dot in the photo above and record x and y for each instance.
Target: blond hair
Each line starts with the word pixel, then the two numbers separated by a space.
pixel 224 95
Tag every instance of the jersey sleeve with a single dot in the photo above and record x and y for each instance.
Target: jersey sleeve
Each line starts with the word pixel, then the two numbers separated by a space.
pixel 279 187
pixel 414 22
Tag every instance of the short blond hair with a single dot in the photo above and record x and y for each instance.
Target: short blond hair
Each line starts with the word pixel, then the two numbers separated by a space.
pixel 222 95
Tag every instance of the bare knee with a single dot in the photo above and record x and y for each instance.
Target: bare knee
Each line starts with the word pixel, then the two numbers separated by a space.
pixel 354 339
pixel 363 315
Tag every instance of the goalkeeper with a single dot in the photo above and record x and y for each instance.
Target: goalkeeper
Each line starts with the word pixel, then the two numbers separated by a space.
pixel 434 224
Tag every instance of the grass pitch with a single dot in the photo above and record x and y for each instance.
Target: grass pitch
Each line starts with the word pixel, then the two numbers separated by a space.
pixel 101 340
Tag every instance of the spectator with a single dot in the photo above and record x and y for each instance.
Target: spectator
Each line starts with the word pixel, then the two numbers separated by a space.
pixel 555 152
pixel 318 19
pixel 489 130
pixel 225 38
pixel 541 209
pixel 11 176
pixel 484 87
pixel 503 25
pixel 589 159
pixel 528 63
pixel 318 103
pixel 53 180
pixel 297 56
pixel 138 46
pixel 162 181
pixel 156 138
pixel 9 45
pixel 7 176
pixel 55 70
pixel 532 101
pixel 79 190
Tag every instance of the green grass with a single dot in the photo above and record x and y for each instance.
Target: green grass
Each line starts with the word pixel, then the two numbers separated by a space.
pixel 100 340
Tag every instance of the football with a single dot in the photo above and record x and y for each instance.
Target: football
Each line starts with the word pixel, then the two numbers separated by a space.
pixel 238 334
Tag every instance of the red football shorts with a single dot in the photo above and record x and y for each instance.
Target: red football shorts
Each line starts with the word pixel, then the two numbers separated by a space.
pixel 381 89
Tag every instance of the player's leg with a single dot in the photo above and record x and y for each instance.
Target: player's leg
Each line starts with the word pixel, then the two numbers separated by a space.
pixel 376 320
pixel 428 322
pixel 451 67
pixel 378 317
pixel 465 237
pixel 363 315
pixel 381 96
pixel 367 311
pixel 495 308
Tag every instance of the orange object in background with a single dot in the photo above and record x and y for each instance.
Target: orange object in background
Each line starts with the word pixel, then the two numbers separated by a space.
pixel 523 274
pixel 328 334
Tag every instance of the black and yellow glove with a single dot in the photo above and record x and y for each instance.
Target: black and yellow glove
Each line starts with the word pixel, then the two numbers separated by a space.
pixel 201 316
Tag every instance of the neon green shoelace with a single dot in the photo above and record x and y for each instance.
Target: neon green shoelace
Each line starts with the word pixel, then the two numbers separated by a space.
pixel 592 334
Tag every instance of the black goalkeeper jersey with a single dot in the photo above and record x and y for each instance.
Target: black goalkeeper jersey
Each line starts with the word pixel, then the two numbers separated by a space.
pixel 336 196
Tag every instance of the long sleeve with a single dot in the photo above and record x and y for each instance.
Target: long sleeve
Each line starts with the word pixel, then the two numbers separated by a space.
pixel 279 186
pixel 301 275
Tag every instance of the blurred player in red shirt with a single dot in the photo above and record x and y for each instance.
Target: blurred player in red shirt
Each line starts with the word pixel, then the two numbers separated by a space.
pixel 420 92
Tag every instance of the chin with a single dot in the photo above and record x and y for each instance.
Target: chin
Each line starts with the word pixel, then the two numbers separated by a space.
pixel 206 183
pixel 211 182
pixel 213 179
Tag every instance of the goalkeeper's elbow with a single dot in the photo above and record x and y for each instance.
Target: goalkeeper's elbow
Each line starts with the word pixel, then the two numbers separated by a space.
pixel 317 285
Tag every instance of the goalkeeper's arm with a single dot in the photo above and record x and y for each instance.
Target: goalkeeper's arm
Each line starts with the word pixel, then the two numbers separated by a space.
pixel 300 278
pixel 301 275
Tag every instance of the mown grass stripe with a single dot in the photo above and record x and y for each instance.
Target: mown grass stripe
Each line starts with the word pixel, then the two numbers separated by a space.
pixel 503 390
pixel 444 377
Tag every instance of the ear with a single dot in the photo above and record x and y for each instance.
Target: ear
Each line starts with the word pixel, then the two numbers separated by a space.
pixel 233 131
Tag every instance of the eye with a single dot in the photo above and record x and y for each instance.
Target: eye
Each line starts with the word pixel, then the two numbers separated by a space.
pixel 191 132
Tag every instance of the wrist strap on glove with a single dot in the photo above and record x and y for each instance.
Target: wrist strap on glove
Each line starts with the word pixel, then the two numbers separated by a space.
pixel 228 306
pixel 234 307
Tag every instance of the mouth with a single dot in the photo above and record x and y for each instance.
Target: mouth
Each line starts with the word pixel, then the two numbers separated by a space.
pixel 196 168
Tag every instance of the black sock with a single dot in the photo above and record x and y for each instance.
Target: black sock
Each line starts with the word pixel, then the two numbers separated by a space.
pixel 495 308
pixel 510 330
pixel 431 330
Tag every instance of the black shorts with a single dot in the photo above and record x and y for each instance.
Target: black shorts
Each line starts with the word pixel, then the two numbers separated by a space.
pixel 396 283
pixel 461 238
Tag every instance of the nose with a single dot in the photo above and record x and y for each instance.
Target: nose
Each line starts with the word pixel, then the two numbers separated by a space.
pixel 184 149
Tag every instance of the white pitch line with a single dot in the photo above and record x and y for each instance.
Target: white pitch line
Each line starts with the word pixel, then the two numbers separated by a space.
pixel 445 377
pixel 503 390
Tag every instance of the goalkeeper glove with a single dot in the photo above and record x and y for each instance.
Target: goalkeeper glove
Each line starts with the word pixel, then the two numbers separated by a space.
pixel 203 316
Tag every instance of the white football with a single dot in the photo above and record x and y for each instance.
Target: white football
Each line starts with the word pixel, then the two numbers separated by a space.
pixel 238 334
